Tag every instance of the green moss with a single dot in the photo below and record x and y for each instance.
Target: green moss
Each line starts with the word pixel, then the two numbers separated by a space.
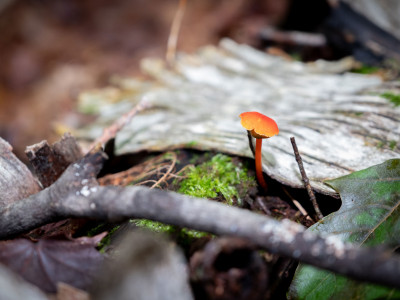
pixel 394 98
pixel 217 177
pixel 153 225
pixel 194 159
pixel 296 56
pixel 107 240
pixel 184 236
pixel 364 69
pixel 193 234
pixel 96 230
pixel 392 144
pixel 191 144
pixel 380 144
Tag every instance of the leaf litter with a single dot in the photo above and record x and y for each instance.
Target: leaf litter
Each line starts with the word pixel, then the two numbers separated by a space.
pixel 48 262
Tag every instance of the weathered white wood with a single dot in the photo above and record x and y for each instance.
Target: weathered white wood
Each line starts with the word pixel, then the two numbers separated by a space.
pixel 197 104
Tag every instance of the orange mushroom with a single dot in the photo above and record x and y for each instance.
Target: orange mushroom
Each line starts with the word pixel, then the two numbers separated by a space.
pixel 260 127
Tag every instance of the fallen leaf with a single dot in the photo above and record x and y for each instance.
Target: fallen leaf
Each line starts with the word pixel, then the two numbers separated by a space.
pixel 13 287
pixel 369 216
pixel 47 262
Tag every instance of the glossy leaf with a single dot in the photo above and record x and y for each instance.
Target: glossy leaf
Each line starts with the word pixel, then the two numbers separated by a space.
pixel 369 216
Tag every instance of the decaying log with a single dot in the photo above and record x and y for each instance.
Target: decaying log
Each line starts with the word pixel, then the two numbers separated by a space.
pixel 76 194
pixel 341 126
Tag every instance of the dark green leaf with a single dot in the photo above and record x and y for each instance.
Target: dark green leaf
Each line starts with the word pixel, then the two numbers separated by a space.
pixel 369 216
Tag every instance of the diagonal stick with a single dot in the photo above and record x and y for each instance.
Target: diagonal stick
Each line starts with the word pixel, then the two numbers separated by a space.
pixel 306 182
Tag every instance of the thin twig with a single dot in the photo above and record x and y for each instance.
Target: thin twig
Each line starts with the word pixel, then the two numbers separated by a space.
pixel 173 36
pixel 146 182
pixel 262 205
pixel 111 131
pixel 306 182
pixel 298 205
pixel 152 166
pixel 166 175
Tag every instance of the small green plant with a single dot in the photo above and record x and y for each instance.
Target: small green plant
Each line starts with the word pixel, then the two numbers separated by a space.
pixel 219 176
pixel 394 98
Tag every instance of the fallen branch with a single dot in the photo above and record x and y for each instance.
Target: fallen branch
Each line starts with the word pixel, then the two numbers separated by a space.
pixel 77 194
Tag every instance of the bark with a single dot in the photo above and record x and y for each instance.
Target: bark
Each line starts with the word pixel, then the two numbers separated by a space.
pixel 76 194
pixel 16 181
pixel 49 162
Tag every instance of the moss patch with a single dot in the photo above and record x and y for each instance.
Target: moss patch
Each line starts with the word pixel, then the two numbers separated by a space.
pixel 183 236
pixel 153 225
pixel 106 241
pixel 217 177
pixel 364 69
pixel 392 145
pixel 394 98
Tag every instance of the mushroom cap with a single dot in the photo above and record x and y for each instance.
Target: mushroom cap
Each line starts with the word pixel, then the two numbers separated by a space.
pixel 259 125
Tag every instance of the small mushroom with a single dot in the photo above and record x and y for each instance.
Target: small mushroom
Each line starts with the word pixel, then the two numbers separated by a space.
pixel 260 127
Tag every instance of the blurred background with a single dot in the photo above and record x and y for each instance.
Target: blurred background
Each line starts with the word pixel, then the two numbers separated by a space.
pixel 51 50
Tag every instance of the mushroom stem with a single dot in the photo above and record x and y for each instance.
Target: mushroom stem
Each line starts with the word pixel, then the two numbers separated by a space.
pixel 259 171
